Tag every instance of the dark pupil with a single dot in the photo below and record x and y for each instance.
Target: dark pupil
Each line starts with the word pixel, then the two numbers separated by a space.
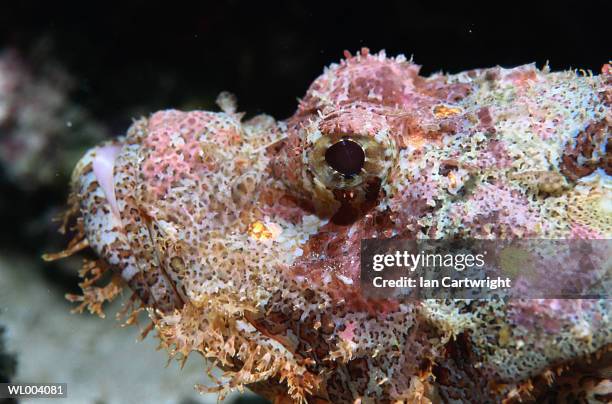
pixel 346 157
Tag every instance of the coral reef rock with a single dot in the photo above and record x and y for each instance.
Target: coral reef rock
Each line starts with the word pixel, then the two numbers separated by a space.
pixel 41 130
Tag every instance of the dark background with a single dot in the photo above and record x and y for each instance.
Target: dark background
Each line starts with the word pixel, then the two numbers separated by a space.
pixel 267 53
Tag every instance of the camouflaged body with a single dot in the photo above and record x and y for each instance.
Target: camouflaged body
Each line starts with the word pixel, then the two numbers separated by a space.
pixel 244 246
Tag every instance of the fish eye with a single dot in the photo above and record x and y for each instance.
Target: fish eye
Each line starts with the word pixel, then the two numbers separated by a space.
pixel 346 156
pixel 345 161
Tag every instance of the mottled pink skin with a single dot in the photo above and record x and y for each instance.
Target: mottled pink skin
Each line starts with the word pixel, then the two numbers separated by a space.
pixel 348 332
pixel 495 157
pixel 381 91
pixel 494 203
pixel 580 231
pixel 181 159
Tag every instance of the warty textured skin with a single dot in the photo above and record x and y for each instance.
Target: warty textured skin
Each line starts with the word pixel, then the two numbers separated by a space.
pixel 243 244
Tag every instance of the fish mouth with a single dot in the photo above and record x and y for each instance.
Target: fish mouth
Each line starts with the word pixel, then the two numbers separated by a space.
pixel 103 167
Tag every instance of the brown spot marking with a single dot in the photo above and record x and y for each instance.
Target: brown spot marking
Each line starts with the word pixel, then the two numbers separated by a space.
pixel 275 323
pixel 358 368
pixel 592 146
pixel 455 373
pixel 486 120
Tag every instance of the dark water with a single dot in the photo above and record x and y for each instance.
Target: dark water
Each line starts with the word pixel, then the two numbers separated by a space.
pixel 140 56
